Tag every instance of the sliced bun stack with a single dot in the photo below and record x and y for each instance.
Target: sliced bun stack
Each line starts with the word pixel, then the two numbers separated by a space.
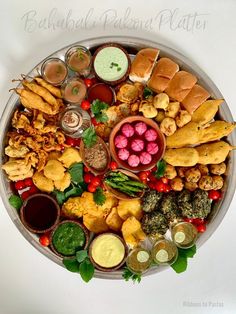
pixel 143 64
pixel 197 96
pixel 163 72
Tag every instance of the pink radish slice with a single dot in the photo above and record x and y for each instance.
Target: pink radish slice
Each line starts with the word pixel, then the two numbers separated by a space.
pixel 150 135
pixel 133 160
pixel 121 141
pixel 152 148
pixel 123 154
pixel 137 145
pixel 145 158
pixel 127 130
pixel 140 128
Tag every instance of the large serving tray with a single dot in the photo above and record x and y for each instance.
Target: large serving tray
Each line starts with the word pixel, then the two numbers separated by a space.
pixel 132 44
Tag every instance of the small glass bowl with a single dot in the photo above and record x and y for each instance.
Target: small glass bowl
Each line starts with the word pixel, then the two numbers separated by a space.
pixel 58 72
pixel 80 55
pixel 74 90
pixel 164 252
pixel 143 257
pixel 74 121
pixel 184 234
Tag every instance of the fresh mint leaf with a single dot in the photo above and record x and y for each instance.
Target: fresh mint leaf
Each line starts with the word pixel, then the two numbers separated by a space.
pixel 147 92
pixel 89 137
pixel 182 261
pixel 71 264
pixel 15 201
pixel 99 197
pixel 74 191
pixel 97 109
pixel 161 168
pixel 76 172
pixel 86 270
pixel 81 255
pixel 60 196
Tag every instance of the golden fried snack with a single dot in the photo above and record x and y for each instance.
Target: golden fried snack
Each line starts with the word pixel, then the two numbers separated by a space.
pixel 128 93
pixel 70 156
pixel 42 183
pixel 170 172
pixel 161 101
pixel 172 109
pixel 43 92
pixel 54 170
pixel 52 89
pixel 132 232
pixel 64 183
pixel 193 134
pixel 218 169
pixel 147 108
pixel 213 153
pixel 206 112
pixel 191 186
pixel 203 169
pixel 128 208
pixel 19 152
pixel 73 207
pixel 168 126
pixel 183 118
pixel 54 155
pixel 206 183
pixel 39 122
pixel 177 184
pixel 192 175
pixel 182 157
pixel 218 182
pixel 19 120
pixel 16 167
pixel 95 221
pixel 160 116
pixel 42 159
pixel 114 221
pixel 31 100
pixel 28 174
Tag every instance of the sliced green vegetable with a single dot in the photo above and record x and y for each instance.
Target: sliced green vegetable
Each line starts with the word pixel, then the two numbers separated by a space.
pixel 15 201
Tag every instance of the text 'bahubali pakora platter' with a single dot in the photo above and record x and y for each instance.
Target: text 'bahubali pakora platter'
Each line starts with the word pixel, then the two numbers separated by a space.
pixel 117 158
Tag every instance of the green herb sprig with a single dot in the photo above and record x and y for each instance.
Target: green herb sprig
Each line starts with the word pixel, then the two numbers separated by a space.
pixel 129 275
pixel 182 261
pixel 80 264
pixel 89 137
pixel 15 201
pixel 147 92
pixel 161 168
pixel 97 109
pixel 99 197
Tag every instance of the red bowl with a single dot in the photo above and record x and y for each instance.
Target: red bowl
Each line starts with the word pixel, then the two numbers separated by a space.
pixel 155 158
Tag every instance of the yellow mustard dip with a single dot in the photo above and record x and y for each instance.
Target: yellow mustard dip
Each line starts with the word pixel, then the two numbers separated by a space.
pixel 107 250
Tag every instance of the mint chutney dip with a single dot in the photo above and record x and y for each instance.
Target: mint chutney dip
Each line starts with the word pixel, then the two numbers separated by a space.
pixel 68 237
pixel 111 63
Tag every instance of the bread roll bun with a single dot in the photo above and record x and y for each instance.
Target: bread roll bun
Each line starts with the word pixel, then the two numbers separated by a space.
pixel 181 84
pixel 143 64
pixel 163 72
pixel 195 98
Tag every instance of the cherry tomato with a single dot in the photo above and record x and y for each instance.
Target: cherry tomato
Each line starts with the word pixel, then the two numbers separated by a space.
pixel 214 195
pixel 154 169
pixel 167 188
pixel 160 186
pixel 142 175
pixel 198 221
pixel 20 185
pixel 164 180
pixel 44 240
pixel 33 190
pixel 152 178
pixel 201 228
pixel 88 82
pixel 94 121
pixel 188 220
pixel 113 165
pixel 25 195
pixel 88 177
pixel 86 169
pixel 77 142
pixel 96 181
pixel 70 141
pixel 152 185
pixel 29 182
pixel 85 105
pixel 91 188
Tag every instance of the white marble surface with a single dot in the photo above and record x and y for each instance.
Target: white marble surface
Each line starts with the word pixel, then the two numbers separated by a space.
pixel 203 30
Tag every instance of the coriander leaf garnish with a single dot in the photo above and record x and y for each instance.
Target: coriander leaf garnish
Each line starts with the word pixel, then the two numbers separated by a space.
pixel 97 109
pixel 147 92
pixel 60 196
pixel 89 137
pixel 86 270
pixel 15 201
pixel 182 261
pixel 81 255
pixel 75 90
pixel 76 172
pixel 161 168
pixel 99 197
pixel 128 274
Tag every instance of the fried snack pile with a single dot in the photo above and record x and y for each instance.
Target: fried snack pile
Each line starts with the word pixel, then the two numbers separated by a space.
pixel 114 214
